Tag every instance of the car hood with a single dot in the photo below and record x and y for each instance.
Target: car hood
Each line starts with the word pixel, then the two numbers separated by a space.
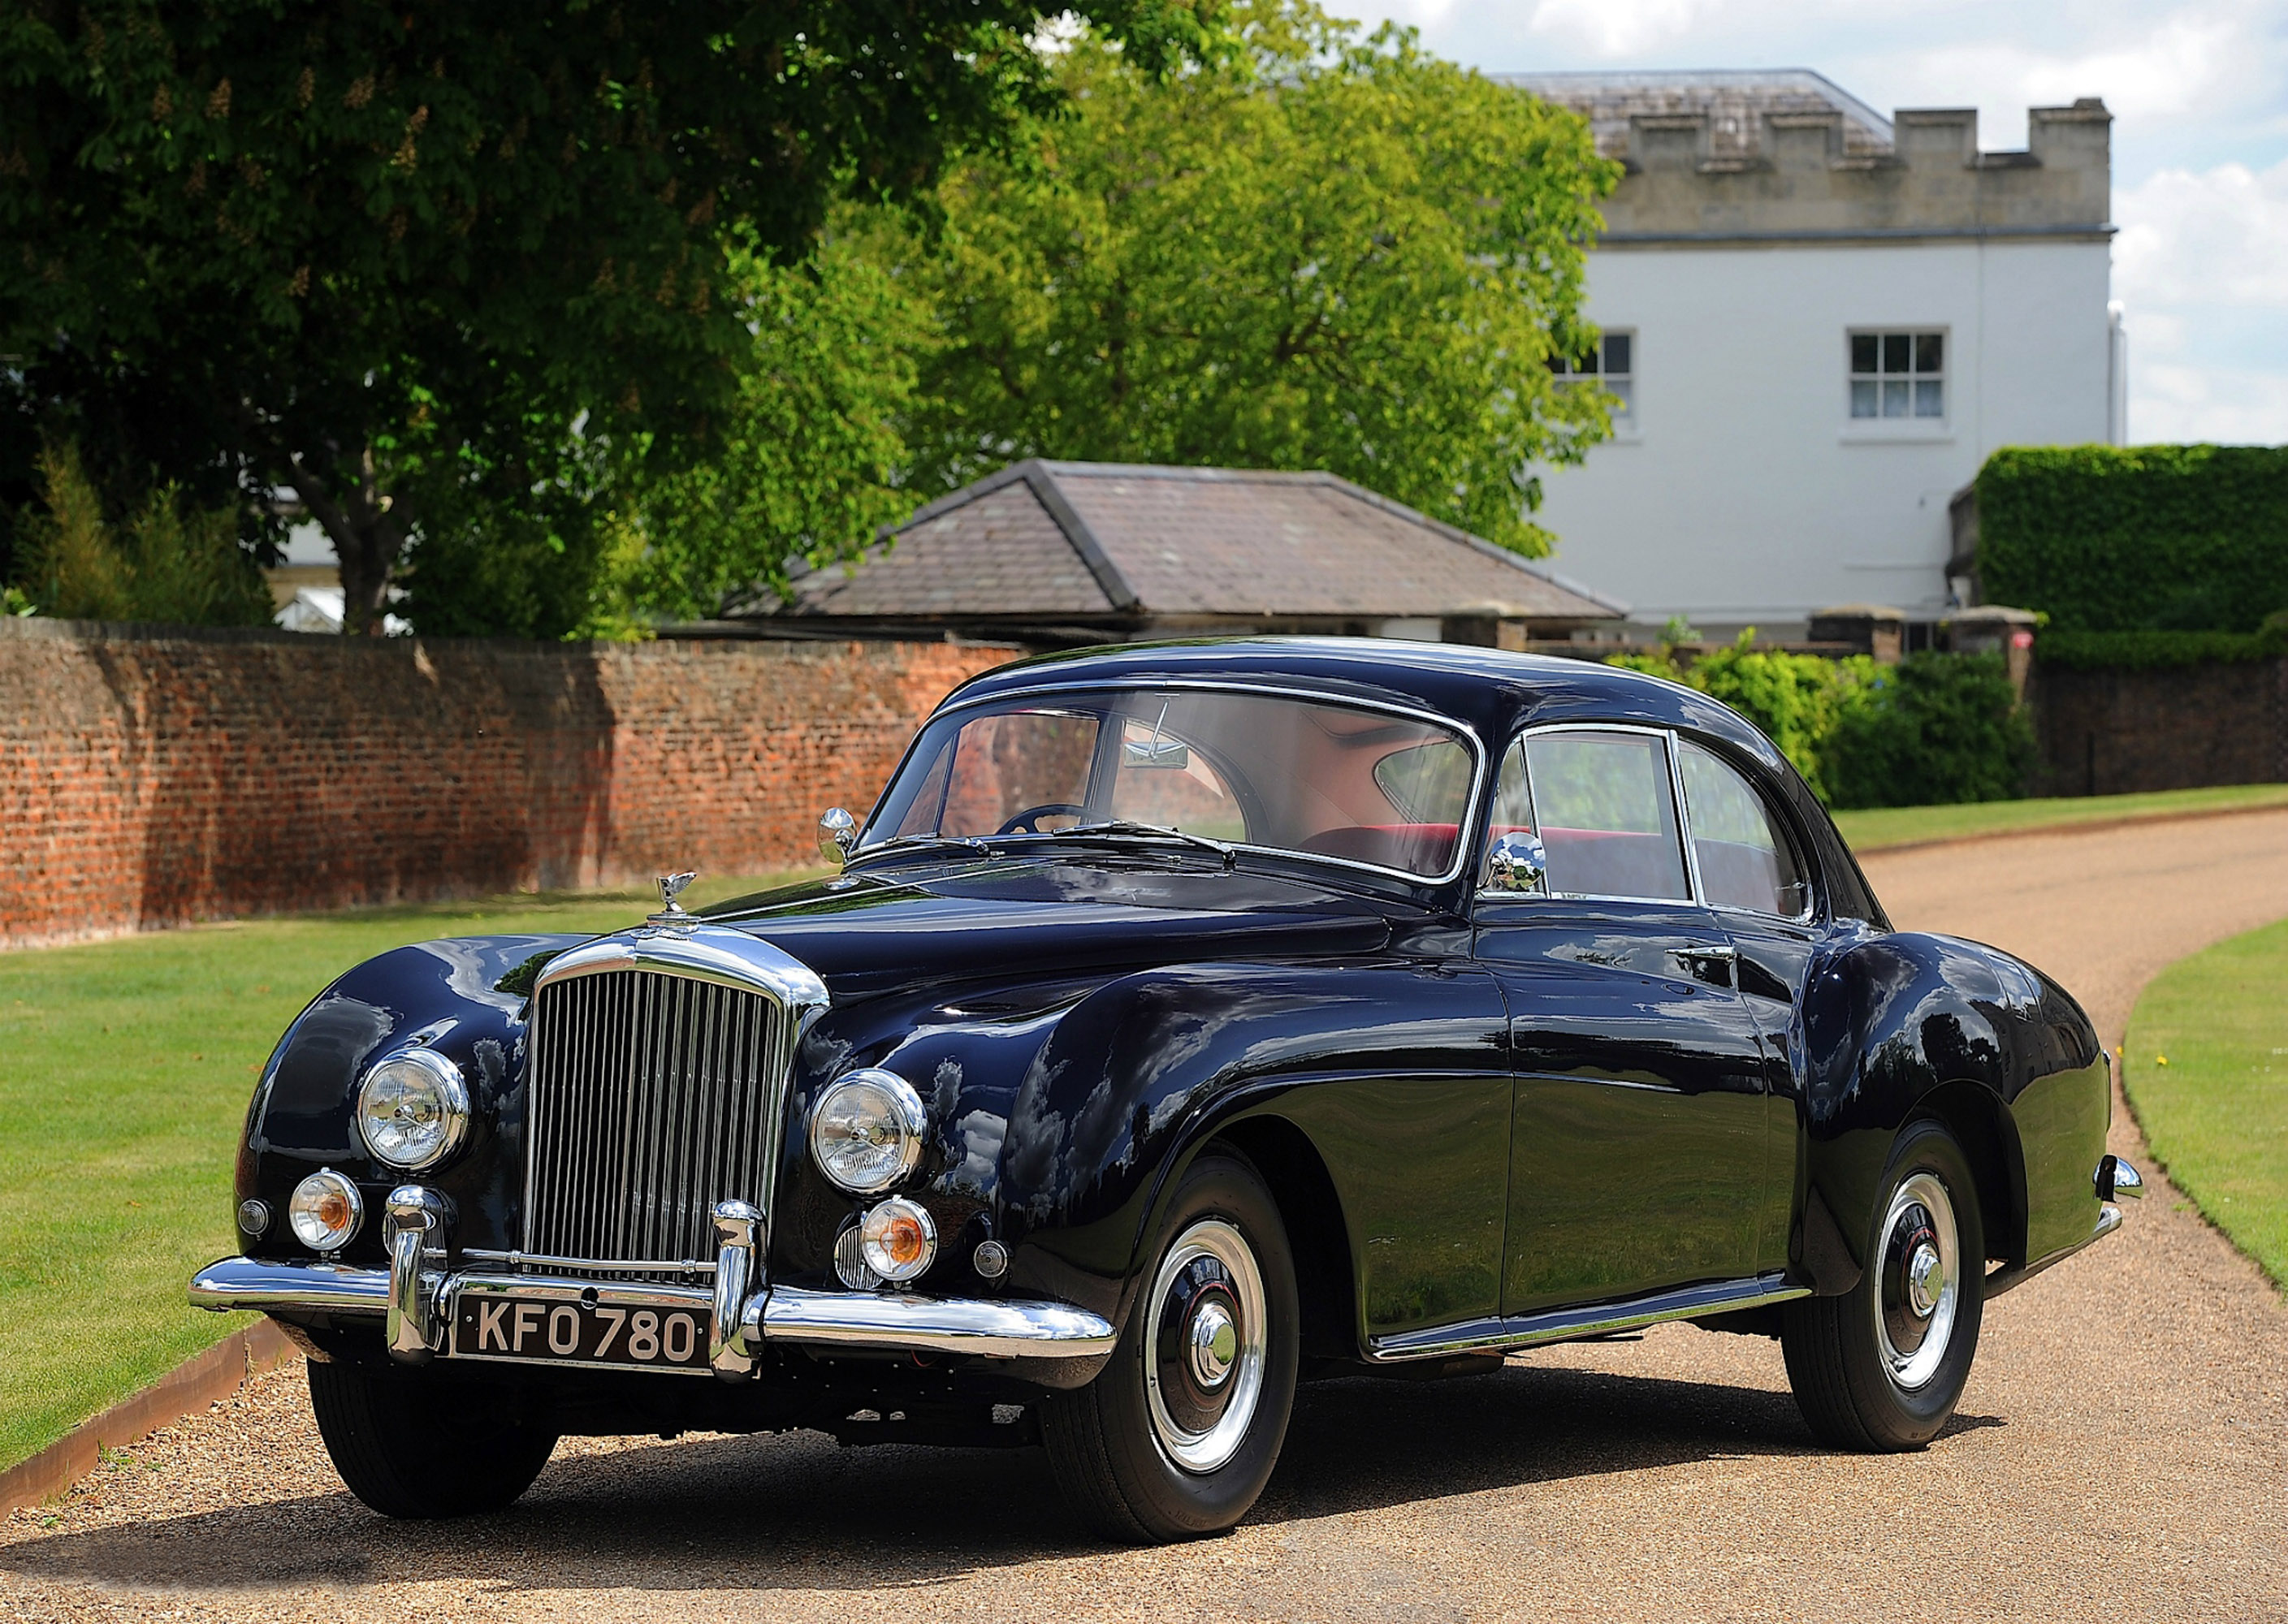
pixel 874 932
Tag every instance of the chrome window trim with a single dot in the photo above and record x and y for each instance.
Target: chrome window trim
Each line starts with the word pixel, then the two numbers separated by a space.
pixel 1676 797
pixel 1465 838
pixel 1676 739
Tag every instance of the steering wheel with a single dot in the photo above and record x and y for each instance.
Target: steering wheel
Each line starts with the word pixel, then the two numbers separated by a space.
pixel 1029 822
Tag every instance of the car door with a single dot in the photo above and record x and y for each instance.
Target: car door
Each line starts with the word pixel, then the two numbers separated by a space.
pixel 1639 1119
pixel 1752 872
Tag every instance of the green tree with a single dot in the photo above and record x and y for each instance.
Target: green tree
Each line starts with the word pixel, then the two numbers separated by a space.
pixel 1336 253
pixel 417 258
pixel 166 561
pixel 813 458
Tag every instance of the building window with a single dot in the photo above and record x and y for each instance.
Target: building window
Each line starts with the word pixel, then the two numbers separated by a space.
pixel 1611 361
pixel 1898 375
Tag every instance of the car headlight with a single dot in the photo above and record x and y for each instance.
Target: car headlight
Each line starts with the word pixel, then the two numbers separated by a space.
pixel 412 1109
pixel 324 1211
pixel 866 1133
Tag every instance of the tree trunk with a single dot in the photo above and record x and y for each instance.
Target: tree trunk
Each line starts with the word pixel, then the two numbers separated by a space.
pixel 367 537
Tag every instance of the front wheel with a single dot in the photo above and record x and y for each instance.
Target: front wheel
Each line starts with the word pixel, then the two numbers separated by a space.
pixel 1179 1433
pixel 411 1449
pixel 1882 1366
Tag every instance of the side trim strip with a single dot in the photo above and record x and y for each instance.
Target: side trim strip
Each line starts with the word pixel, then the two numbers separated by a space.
pixel 1570 1324
pixel 2108 1219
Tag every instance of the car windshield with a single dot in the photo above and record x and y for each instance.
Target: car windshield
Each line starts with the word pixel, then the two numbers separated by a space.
pixel 1262 770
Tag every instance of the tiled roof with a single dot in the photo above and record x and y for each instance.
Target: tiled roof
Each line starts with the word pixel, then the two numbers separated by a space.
pixel 1734 100
pixel 1107 539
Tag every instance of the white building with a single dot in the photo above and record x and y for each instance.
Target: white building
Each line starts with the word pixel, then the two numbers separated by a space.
pixel 1822 321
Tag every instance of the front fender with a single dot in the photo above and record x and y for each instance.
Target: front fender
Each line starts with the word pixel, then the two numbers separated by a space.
pixel 463 997
pixel 1139 1075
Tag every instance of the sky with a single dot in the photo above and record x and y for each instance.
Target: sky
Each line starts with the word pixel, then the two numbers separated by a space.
pixel 2199 90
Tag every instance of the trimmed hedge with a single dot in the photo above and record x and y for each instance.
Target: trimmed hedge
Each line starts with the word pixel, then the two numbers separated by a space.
pixel 2155 651
pixel 2144 538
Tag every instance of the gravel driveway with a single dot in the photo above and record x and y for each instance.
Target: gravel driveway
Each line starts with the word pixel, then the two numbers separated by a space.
pixel 2122 1451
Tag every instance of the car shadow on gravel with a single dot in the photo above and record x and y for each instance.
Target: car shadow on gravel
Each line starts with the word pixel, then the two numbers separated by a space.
pixel 799 1512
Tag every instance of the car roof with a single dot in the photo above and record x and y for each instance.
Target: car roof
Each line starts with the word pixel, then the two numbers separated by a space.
pixel 1489 690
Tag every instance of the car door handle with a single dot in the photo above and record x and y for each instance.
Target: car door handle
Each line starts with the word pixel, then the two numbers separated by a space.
pixel 1700 961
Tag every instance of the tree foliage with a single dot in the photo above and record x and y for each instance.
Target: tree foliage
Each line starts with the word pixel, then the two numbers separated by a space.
pixel 164 562
pixel 410 257
pixel 2160 538
pixel 814 458
pixel 1340 253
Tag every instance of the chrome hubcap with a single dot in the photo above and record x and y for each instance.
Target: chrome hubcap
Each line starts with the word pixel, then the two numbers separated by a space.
pixel 1920 1282
pixel 1925 1280
pixel 1204 1355
pixel 1215 1342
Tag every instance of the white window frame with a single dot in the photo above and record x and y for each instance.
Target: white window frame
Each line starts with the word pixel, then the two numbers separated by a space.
pixel 1626 424
pixel 1912 424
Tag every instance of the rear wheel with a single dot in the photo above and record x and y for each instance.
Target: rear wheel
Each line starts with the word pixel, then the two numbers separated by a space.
pixel 1882 1366
pixel 1179 1433
pixel 412 1449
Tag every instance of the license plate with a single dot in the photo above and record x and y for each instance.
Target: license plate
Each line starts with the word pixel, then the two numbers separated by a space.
pixel 508 1328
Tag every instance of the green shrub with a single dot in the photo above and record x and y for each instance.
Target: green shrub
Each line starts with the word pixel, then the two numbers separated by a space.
pixel 2162 538
pixel 168 562
pixel 1796 699
pixel 1934 729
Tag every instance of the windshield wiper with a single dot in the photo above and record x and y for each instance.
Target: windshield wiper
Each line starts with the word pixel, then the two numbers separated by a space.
pixel 907 843
pixel 1130 828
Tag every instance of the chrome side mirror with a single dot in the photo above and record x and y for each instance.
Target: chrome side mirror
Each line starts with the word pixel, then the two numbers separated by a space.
pixel 1516 864
pixel 838 832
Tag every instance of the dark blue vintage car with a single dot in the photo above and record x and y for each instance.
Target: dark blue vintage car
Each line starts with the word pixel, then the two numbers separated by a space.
pixel 1185 1022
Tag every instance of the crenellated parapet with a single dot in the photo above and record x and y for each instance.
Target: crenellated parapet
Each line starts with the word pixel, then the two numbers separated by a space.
pixel 1784 154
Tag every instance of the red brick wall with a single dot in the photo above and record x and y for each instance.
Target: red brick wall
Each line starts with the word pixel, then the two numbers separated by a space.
pixel 151 776
pixel 2180 727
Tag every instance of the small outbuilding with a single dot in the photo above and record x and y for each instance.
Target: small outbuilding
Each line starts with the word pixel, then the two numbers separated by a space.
pixel 1056 554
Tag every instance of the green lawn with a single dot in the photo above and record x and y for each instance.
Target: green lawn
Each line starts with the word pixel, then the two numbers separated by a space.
pixel 1899 825
pixel 2205 1065
pixel 125 1068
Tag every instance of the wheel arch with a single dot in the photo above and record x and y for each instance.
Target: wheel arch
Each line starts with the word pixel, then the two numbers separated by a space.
pixel 1982 1125
pixel 1318 1235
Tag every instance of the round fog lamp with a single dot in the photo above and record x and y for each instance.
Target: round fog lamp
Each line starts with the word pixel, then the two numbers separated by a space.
pixel 412 1109
pixel 325 1211
pixel 866 1132
pixel 899 1239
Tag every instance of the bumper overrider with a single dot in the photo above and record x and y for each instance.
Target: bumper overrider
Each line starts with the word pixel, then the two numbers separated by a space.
pixel 417 1297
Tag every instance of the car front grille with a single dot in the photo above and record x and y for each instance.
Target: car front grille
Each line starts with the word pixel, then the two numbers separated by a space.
pixel 650 1097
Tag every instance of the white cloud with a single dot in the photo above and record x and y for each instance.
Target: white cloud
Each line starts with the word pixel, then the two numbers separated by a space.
pixel 2218 235
pixel 2230 406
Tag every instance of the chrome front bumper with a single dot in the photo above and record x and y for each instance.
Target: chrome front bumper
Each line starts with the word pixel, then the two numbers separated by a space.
pixel 416 1299
pixel 971 1326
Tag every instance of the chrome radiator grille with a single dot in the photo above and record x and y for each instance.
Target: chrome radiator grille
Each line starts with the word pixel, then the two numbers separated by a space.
pixel 650 1097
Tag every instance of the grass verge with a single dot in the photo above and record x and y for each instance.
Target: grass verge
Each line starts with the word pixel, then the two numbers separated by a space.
pixel 1901 825
pixel 2205 1065
pixel 125 1067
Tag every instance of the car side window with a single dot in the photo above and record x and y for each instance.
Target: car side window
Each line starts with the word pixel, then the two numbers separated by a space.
pixel 1745 857
pixel 1602 802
